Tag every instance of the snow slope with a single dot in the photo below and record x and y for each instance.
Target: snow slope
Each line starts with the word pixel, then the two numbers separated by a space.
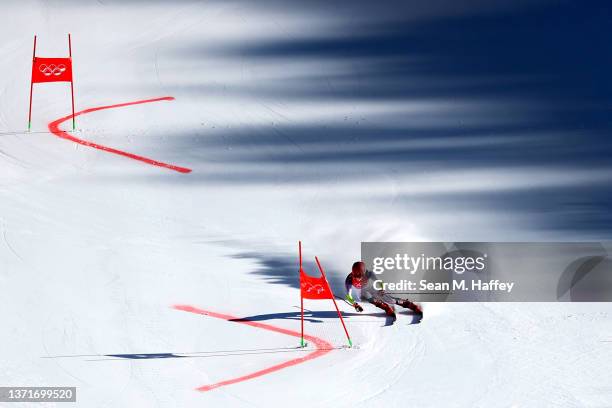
pixel 97 249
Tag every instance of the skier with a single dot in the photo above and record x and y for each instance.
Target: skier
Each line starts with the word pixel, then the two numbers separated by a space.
pixel 361 281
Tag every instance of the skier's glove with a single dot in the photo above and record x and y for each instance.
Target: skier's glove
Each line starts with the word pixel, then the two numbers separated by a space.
pixel 352 302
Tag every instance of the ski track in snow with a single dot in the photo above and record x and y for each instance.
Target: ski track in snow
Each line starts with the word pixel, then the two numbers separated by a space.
pixel 8 245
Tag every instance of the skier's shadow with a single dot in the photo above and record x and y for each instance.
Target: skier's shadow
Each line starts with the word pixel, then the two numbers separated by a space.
pixel 309 316
pixel 319 316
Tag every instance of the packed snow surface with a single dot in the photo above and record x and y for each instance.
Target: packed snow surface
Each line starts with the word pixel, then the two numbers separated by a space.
pixel 96 248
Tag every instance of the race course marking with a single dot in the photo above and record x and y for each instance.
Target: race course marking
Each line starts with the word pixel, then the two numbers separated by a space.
pixel 54 128
pixel 322 346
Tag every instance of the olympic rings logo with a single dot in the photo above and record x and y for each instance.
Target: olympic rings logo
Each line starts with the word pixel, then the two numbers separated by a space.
pixel 309 288
pixel 52 69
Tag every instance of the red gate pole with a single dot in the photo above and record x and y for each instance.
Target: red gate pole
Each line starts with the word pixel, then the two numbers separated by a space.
pixel 350 342
pixel 301 296
pixel 31 87
pixel 71 80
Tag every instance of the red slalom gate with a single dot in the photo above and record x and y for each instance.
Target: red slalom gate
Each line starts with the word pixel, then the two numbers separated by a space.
pixel 322 346
pixel 51 70
pixel 317 288
pixel 54 128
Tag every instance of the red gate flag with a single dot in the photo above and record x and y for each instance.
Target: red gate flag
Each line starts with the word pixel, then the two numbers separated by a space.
pixel 317 288
pixel 314 288
pixel 51 70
